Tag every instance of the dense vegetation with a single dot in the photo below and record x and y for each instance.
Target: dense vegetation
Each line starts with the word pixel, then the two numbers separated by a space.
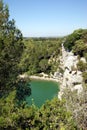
pixel 38 55
pixel 35 56
pixel 51 116
pixel 77 105
pixel 77 42
pixel 11 47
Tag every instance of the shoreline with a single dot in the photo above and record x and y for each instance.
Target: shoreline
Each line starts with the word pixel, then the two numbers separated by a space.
pixel 43 78
pixel 38 78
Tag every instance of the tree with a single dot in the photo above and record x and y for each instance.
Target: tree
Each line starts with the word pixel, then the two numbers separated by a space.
pixel 70 40
pixel 22 91
pixel 82 66
pixel 80 47
pixel 44 65
pixel 51 116
pixel 4 14
pixel 11 48
pixel 84 74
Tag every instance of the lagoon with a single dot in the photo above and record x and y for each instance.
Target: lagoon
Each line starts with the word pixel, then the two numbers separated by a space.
pixel 41 91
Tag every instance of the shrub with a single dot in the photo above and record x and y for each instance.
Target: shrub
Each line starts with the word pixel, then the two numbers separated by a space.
pixel 84 74
pixel 79 48
pixel 81 66
pixel 70 40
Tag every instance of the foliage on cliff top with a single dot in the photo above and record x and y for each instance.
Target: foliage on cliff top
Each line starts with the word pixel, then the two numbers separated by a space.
pixel 77 42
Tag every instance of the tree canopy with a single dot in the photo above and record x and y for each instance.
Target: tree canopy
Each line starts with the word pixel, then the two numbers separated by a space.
pixel 11 48
pixel 37 54
pixel 77 41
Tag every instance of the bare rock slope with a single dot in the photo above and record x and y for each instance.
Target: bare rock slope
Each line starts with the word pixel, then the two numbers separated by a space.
pixel 72 78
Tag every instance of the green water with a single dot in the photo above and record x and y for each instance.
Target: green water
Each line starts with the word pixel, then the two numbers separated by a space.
pixel 42 91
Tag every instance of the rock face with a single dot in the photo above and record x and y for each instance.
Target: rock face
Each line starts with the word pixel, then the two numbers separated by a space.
pixel 72 78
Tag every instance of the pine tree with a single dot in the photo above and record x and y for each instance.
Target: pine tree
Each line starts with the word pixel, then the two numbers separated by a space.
pixel 11 48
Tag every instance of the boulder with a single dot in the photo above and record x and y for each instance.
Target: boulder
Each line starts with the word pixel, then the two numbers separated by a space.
pixel 70 62
pixel 78 87
pixel 83 60
pixel 72 78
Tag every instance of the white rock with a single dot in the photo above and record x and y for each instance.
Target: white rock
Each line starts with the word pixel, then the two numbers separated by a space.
pixel 77 78
pixel 79 72
pixel 71 75
pixel 78 87
pixel 70 62
pixel 74 72
pixel 83 59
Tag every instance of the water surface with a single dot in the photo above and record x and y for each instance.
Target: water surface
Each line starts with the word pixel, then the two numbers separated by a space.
pixel 41 91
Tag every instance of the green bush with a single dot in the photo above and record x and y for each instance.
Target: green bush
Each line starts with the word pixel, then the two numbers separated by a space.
pixel 81 66
pixel 72 38
pixel 51 116
pixel 77 105
pixel 79 48
pixel 85 55
pixel 84 74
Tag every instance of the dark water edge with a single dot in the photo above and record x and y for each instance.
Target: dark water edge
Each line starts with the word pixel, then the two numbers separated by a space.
pixel 41 91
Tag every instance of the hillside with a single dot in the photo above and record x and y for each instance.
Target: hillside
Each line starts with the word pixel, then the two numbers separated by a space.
pixel 74 84
pixel 69 58
pixel 63 58
pixel 40 55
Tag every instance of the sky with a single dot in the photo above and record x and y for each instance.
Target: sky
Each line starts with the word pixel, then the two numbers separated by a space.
pixel 48 18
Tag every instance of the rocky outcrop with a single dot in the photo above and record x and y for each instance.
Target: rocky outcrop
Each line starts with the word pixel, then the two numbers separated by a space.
pixel 72 78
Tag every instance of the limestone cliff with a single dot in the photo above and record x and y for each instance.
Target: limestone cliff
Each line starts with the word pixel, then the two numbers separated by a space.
pixel 72 78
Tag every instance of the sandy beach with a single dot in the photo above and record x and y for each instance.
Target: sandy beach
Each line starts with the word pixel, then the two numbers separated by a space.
pixel 43 78
pixel 38 77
